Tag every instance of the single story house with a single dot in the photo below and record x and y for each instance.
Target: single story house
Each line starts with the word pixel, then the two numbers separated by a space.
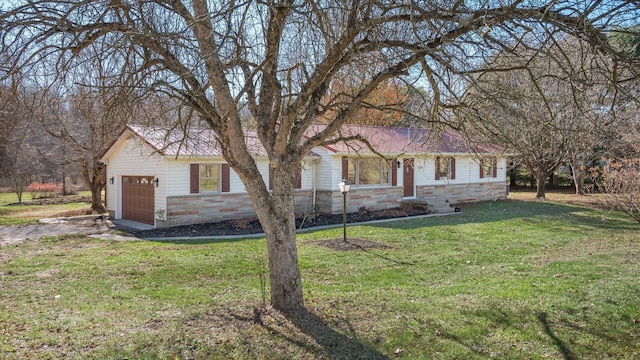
pixel 159 177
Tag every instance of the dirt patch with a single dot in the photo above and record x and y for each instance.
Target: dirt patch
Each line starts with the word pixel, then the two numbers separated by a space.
pixel 350 244
pixel 252 226
pixel 85 226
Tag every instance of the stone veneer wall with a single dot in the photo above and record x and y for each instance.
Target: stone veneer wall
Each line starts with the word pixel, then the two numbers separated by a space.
pixel 330 202
pixel 464 193
pixel 199 208
pixel 193 209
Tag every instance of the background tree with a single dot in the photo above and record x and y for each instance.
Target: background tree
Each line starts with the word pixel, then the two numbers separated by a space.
pixel 384 106
pixel 278 60
pixel 19 159
pixel 550 106
pixel 10 119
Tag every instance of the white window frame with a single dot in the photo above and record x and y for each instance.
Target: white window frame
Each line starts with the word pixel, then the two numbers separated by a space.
pixel 354 176
pixel 486 164
pixel 218 181
pixel 448 167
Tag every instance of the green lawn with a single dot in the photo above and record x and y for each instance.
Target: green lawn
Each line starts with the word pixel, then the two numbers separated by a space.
pixel 10 198
pixel 510 280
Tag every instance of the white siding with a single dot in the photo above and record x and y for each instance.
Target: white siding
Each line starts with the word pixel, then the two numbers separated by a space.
pixel 307 174
pixel 423 170
pixel 235 184
pixel 179 175
pixel 467 171
pixel 328 172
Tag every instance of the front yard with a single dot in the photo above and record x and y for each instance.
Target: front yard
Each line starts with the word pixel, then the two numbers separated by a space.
pixel 508 279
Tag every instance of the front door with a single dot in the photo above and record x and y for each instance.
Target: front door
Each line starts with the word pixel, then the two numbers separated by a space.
pixel 407 178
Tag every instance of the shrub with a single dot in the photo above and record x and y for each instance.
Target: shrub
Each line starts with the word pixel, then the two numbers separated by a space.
pixel 43 190
pixel 621 182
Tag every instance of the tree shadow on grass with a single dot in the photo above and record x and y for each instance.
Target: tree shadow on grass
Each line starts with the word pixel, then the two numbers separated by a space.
pixel 505 319
pixel 562 347
pixel 498 319
pixel 333 344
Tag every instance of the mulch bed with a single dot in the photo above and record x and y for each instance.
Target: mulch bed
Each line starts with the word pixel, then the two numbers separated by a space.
pixel 252 226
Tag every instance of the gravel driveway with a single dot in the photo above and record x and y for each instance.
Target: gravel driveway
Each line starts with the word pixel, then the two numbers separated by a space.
pixel 53 227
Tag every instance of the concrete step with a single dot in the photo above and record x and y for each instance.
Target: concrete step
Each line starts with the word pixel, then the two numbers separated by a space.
pixel 441 208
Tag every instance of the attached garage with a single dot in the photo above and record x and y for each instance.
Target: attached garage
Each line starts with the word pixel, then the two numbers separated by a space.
pixel 138 198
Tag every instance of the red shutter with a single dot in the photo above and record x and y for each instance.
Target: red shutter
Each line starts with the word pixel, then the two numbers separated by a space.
pixel 481 169
pixel 194 170
pixel 224 172
pixel 452 168
pixel 495 167
pixel 299 177
pixel 437 167
pixel 394 172
pixel 345 168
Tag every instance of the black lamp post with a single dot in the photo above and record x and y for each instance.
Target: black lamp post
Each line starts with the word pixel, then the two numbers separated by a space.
pixel 344 187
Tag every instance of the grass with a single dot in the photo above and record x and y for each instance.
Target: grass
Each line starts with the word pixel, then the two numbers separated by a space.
pixel 29 214
pixel 508 279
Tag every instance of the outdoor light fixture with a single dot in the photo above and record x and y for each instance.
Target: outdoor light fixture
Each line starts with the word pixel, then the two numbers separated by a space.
pixel 156 181
pixel 111 179
pixel 344 187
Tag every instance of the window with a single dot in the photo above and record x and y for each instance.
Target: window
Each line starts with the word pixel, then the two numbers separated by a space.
pixel 368 171
pixel 209 177
pixel 489 167
pixel 445 167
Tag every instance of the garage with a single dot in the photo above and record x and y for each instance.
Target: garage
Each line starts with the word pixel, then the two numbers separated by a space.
pixel 137 198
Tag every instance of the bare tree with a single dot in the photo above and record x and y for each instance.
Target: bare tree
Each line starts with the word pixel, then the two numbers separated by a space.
pixel 622 187
pixel 87 114
pixel 549 106
pixel 79 123
pixel 278 59
pixel 10 118
pixel 17 159
pixel 620 177
pixel 508 108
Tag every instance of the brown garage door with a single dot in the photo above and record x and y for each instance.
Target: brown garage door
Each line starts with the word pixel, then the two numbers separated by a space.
pixel 137 198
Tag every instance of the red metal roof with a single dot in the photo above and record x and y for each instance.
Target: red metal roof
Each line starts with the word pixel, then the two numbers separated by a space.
pixel 198 142
pixel 385 140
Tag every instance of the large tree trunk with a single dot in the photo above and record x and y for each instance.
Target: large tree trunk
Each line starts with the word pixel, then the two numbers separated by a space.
pixel 277 215
pixel 94 179
pixel 96 198
pixel 284 272
pixel 541 178
pixel 541 171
